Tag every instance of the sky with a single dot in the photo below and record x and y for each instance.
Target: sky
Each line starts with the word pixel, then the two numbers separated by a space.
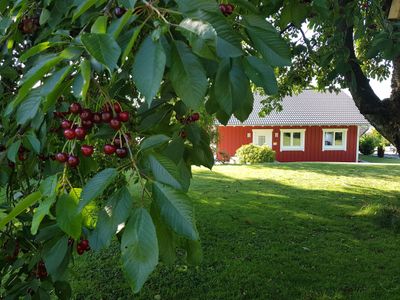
pixel 381 89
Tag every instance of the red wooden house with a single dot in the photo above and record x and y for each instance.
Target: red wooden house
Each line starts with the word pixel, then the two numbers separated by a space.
pixel 312 126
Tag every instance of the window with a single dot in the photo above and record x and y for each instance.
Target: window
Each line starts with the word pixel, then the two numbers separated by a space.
pixel 262 137
pixel 334 139
pixel 292 139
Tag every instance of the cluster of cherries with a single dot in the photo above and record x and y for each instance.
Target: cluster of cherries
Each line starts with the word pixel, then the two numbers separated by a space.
pixel 190 119
pixel 226 9
pixel 187 120
pixel 29 25
pixel 82 246
pixel 88 118
pixel 40 271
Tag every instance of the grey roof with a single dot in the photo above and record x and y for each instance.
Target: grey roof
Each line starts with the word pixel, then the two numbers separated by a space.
pixel 308 108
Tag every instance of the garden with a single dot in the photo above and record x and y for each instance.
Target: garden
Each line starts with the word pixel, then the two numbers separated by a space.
pixel 276 231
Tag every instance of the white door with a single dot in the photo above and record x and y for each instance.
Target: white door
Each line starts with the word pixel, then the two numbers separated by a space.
pixel 262 137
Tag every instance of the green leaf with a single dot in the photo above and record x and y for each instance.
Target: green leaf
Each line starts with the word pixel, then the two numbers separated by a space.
pixel 139 249
pixel 40 212
pixel 154 141
pixel 52 85
pixel 228 39
pixel 54 252
pixel 194 252
pixel 37 49
pixel 148 68
pixel 293 12
pixel 68 218
pixel 164 170
pixel 84 6
pixel 103 48
pixel 119 24
pixel 267 41
pixel 100 25
pixel 165 237
pixel 130 44
pixel 44 16
pixel 176 209
pixel 114 213
pixel 49 185
pixel 86 73
pixel 32 77
pixel 187 76
pixel 232 89
pixel 21 206
pixel 33 141
pixel 96 186
pixel 12 151
pixel 127 3
pixel 261 74
pixel 202 37
pixel 63 290
pixel 28 109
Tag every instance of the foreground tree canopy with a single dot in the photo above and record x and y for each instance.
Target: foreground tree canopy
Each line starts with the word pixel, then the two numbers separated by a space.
pixel 102 116
pixel 343 44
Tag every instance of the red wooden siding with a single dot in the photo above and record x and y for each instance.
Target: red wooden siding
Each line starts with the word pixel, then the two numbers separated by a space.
pixel 232 137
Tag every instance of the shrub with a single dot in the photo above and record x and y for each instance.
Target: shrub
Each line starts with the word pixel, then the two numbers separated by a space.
pixel 367 144
pixel 255 154
pixel 224 156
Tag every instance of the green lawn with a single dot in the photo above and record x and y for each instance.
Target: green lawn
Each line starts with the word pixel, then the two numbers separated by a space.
pixel 279 231
pixel 382 160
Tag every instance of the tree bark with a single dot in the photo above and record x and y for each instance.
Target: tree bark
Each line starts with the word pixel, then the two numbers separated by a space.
pixel 384 114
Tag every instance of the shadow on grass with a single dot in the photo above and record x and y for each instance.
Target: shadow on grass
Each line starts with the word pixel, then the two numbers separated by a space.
pixel 266 239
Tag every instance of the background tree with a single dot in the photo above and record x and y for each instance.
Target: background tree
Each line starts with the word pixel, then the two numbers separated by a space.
pixel 99 126
pixel 347 43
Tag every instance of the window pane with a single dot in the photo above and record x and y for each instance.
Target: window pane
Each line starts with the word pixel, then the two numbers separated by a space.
pixel 328 139
pixel 286 139
pixel 261 140
pixel 338 138
pixel 296 139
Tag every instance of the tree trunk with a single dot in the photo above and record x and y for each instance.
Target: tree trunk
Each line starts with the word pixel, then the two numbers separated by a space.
pixel 384 114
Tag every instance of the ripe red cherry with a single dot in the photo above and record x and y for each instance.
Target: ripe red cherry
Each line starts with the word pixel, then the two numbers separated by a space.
pixel 119 11
pixel 65 124
pixel 86 114
pixel 62 157
pixel 73 161
pixel 117 107
pixel 222 8
pixel 123 116
pixel 115 124
pixel 75 108
pixel 21 156
pixel 69 134
pixel 87 150
pixel 229 9
pixel 195 117
pixel 109 149
pixel 87 124
pixel 97 118
pixel 79 249
pixel 80 133
pixel 107 107
pixel 106 116
pixel 121 152
pixel 84 244
pixel 117 142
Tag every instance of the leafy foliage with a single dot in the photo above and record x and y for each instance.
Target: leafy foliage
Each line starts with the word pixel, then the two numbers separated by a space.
pixel 254 154
pixel 96 94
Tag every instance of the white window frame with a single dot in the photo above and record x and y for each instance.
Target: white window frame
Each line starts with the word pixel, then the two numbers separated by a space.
pixel 264 132
pixel 342 147
pixel 293 148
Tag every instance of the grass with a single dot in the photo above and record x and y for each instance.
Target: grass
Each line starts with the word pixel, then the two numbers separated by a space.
pixel 383 160
pixel 279 231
